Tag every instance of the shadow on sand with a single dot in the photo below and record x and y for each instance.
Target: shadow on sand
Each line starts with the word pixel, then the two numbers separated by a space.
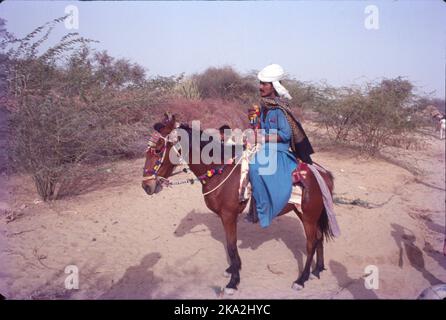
pixel 356 287
pixel 284 228
pixel 138 282
pixel 405 241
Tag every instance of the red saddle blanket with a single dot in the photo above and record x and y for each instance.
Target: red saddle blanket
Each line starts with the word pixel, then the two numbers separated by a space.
pixel 299 175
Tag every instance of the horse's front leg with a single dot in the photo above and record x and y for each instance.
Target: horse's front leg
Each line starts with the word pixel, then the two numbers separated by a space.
pixel 229 221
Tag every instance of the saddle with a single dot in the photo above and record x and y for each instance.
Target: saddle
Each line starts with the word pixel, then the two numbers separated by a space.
pixel 300 174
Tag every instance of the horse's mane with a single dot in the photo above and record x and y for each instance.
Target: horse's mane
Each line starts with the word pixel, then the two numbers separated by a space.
pixel 189 130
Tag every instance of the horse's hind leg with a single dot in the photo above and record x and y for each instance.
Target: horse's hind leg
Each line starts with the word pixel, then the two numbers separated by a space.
pixel 319 255
pixel 319 249
pixel 310 232
pixel 230 225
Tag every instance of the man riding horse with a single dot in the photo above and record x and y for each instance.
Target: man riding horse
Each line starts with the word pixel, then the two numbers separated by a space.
pixel 220 185
pixel 284 139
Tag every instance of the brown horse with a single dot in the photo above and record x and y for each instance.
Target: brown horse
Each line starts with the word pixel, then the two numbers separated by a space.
pixel 223 199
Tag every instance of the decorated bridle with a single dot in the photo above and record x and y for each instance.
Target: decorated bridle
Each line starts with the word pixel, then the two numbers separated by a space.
pixel 172 137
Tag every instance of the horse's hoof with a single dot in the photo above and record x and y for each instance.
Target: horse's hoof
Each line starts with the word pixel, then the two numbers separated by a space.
pixel 226 274
pixel 230 291
pixel 297 286
pixel 315 276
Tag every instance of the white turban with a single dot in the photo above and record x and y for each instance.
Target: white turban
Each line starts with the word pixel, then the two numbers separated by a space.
pixel 274 73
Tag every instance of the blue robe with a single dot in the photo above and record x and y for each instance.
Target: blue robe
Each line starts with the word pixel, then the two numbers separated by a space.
pixel 272 190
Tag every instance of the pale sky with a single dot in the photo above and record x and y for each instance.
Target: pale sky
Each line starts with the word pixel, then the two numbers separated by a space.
pixel 312 40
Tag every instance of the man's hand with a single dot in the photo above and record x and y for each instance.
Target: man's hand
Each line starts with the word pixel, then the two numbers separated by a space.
pixel 253 111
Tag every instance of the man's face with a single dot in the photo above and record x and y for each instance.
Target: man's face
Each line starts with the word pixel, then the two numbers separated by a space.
pixel 266 89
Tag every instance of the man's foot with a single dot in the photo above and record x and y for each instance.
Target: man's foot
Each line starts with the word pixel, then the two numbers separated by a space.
pixel 250 219
pixel 252 214
pixel 242 199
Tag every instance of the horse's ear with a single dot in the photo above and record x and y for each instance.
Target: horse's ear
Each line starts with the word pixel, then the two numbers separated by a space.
pixel 168 117
pixel 173 121
pixel 170 121
pixel 158 126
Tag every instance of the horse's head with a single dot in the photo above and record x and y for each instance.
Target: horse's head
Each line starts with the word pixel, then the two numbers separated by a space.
pixel 158 166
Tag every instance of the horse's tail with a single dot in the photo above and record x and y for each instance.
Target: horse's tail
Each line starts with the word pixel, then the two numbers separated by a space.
pixel 324 224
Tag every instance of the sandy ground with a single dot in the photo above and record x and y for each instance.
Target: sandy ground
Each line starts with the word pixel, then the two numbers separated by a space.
pixel 126 244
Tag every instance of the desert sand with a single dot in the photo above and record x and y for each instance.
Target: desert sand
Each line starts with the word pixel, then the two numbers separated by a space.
pixel 128 245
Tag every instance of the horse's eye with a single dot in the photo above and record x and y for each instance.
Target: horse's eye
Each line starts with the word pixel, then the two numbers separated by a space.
pixel 150 144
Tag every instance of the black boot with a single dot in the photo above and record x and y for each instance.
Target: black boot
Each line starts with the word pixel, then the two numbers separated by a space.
pixel 252 214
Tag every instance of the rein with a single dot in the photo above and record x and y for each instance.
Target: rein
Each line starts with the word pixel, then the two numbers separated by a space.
pixel 224 180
